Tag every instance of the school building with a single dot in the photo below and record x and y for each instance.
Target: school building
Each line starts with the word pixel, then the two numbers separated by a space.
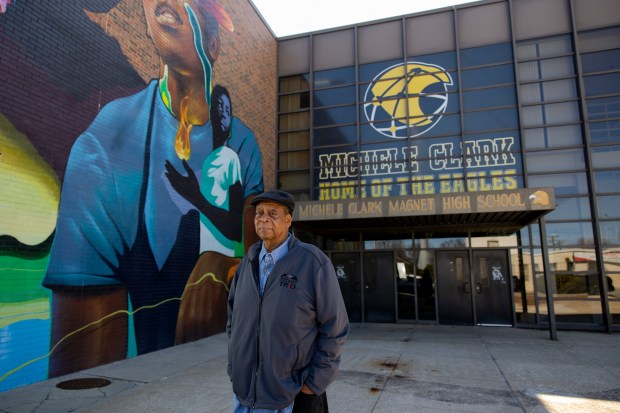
pixel 461 166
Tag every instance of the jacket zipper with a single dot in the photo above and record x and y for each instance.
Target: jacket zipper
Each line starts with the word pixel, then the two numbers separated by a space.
pixel 260 307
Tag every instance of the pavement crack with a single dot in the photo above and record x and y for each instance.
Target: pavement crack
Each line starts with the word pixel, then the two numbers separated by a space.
pixel 513 393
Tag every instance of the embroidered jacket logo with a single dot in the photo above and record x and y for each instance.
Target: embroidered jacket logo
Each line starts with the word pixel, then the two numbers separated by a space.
pixel 289 281
pixel 407 100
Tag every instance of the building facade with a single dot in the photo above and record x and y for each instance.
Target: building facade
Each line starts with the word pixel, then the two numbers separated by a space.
pixel 461 166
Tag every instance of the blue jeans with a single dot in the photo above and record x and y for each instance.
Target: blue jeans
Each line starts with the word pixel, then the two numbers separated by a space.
pixel 239 408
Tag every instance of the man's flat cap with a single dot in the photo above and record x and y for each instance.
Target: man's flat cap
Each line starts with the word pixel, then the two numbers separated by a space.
pixel 279 197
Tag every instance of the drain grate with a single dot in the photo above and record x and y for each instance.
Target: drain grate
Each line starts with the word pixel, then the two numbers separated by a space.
pixel 83 384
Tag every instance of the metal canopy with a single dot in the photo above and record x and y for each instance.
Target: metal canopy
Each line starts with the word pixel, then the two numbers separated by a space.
pixel 480 213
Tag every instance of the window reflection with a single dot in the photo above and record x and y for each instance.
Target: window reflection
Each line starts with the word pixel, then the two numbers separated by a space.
pixel 388 244
pixel 428 241
pixel 605 132
pixel 606 181
pixel 565 184
pixel 567 234
pixel 333 77
pixel 331 97
pixel 570 208
pixel 610 232
pixel 606 156
pixel 602 84
pixel 608 206
pixel 575 283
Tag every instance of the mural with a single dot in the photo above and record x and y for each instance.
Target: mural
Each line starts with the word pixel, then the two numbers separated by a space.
pixel 126 244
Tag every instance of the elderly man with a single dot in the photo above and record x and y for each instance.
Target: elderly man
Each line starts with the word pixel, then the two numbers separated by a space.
pixel 287 321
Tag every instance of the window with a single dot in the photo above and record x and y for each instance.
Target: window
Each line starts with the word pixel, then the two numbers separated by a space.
pixel 478 56
pixel 294 121
pixel 488 76
pixel 293 160
pixel 335 96
pixel 334 116
pixel 602 84
pixel 605 132
pixel 606 60
pixel 570 209
pixel 608 207
pixel 485 98
pixel 548 91
pixel 290 103
pixel 606 157
pixel 556 160
pixel 335 135
pixel 567 234
pixel 552 137
pixel 546 69
pixel 546 47
pixel 607 181
pixel 491 119
pixel 610 232
pixel 549 114
pixel 294 140
pixel 294 83
pixel 564 184
pixel 603 108
pixel 334 77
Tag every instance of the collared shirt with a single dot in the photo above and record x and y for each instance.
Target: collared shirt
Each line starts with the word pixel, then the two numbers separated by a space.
pixel 276 254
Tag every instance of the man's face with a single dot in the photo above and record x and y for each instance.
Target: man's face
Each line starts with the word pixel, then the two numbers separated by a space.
pixel 272 222
pixel 223 110
pixel 169 26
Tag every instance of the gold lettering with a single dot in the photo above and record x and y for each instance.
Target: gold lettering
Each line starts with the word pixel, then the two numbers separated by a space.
pixel 499 201
pixel 456 203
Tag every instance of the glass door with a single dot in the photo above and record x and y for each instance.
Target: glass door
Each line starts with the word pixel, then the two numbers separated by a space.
pixel 453 287
pixel 348 270
pixel 492 287
pixel 379 287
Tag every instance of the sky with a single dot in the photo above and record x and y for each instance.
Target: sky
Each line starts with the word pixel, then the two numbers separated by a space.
pixel 289 17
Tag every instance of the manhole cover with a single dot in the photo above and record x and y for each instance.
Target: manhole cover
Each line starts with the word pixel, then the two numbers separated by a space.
pixel 83 384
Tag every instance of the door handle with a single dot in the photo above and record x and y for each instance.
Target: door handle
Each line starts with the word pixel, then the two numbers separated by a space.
pixel 367 287
pixel 466 287
pixel 478 288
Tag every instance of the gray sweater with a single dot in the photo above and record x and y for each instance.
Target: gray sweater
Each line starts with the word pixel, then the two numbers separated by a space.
pixel 293 335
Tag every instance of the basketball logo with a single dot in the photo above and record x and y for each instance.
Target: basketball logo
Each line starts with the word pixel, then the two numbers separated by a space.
pixel 407 100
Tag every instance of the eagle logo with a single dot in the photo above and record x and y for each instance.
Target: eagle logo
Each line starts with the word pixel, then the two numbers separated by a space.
pixel 540 198
pixel 407 100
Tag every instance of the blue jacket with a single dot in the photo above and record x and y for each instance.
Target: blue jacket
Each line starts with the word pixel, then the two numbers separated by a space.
pixel 293 335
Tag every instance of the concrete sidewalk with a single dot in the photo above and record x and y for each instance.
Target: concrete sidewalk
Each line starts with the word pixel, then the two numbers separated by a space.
pixel 385 368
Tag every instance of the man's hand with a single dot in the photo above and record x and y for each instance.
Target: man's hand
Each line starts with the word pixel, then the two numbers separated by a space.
pixel 306 390
pixel 187 186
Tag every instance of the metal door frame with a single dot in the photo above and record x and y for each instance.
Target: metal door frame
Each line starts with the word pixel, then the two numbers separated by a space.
pixel 506 251
pixel 394 286
pixel 472 280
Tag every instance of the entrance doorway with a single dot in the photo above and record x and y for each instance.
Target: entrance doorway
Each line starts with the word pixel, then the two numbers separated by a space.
pixel 368 289
pixel 349 272
pixel 483 286
pixel 379 291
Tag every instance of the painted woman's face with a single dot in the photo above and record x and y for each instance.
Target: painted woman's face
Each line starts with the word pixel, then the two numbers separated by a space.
pixel 169 25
